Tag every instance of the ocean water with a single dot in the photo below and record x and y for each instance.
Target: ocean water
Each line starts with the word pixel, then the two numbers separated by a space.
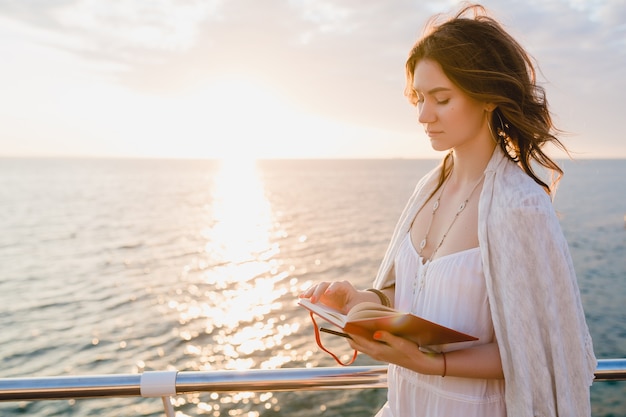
pixel 122 266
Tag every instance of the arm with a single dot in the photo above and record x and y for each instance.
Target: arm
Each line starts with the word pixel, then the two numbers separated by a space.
pixel 481 361
pixel 342 295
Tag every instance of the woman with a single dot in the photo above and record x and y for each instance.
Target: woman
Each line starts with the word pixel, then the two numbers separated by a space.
pixel 478 247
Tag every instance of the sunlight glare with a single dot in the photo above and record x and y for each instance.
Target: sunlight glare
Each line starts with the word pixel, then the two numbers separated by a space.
pixel 238 287
pixel 241 118
pixel 237 117
pixel 242 214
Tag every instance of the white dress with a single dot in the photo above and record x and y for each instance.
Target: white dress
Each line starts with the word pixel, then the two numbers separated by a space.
pixel 451 291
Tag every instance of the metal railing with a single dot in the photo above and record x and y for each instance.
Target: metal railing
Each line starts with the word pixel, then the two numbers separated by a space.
pixel 169 383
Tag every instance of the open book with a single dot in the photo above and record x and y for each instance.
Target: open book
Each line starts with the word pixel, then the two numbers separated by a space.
pixel 365 318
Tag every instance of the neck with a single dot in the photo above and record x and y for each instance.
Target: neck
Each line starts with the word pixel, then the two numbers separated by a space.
pixel 469 165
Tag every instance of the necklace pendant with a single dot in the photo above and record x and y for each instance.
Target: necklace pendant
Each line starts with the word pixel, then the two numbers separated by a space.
pixel 422 244
pixel 462 206
pixel 436 205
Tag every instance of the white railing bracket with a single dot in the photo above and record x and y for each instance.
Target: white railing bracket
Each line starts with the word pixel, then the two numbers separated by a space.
pixel 159 384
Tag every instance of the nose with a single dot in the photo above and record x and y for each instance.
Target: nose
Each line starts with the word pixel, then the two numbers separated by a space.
pixel 425 112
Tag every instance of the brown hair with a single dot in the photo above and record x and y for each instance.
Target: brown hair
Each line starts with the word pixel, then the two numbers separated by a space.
pixel 487 64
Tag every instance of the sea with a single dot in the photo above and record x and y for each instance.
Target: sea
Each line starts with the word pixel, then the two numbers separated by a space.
pixel 116 266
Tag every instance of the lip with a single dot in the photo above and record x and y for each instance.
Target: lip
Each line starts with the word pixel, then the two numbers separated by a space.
pixel 432 133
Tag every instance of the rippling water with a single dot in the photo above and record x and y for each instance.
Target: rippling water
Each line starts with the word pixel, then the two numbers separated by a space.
pixel 122 266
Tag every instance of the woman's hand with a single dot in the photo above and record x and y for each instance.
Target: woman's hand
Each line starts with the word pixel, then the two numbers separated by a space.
pixel 386 347
pixel 340 295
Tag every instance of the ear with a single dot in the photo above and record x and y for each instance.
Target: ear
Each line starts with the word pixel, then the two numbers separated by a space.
pixel 490 107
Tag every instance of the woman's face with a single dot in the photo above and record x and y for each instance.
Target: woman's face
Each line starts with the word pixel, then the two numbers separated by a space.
pixel 450 117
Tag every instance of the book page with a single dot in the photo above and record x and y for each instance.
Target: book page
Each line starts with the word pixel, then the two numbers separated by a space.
pixel 327 313
pixel 368 310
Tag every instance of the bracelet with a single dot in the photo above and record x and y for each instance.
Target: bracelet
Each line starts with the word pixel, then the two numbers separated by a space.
pixel 384 300
pixel 444 364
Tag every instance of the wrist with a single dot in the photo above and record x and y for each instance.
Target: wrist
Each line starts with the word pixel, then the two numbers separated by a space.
pixel 434 363
pixel 367 296
pixel 382 297
pixel 445 364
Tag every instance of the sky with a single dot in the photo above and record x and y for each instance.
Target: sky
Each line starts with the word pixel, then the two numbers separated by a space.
pixel 274 78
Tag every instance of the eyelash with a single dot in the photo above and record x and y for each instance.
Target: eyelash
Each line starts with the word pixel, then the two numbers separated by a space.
pixel 420 100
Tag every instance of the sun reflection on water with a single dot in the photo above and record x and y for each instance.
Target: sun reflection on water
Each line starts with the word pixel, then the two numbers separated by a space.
pixel 242 216
pixel 230 305
pixel 229 310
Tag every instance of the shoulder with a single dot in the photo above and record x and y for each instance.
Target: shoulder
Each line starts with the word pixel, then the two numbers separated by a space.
pixel 514 201
pixel 513 189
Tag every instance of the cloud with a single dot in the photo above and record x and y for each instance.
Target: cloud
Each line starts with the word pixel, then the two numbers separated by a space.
pixel 305 48
pixel 343 60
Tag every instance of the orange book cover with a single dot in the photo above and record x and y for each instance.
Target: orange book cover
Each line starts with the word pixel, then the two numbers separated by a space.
pixel 366 318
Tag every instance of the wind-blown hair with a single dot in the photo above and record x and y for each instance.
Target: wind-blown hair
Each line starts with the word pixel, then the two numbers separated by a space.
pixel 486 63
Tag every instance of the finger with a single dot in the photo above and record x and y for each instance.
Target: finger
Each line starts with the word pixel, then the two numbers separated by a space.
pixel 390 339
pixel 359 342
pixel 308 292
pixel 339 291
pixel 367 344
pixel 377 350
pixel 382 336
pixel 319 291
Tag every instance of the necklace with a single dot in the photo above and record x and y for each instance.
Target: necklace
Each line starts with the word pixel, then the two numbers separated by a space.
pixel 456 216
pixel 420 273
pixel 434 210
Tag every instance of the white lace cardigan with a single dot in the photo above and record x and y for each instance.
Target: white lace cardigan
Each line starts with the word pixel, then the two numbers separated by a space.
pixel 545 346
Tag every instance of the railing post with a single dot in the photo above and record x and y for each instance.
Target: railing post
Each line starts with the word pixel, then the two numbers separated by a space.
pixel 167 405
pixel 159 384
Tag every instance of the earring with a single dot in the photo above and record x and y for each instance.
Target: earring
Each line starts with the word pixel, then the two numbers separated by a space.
pixel 501 130
pixel 493 135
